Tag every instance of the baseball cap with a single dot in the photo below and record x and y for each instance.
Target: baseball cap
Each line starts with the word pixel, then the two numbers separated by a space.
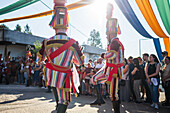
pixel 164 52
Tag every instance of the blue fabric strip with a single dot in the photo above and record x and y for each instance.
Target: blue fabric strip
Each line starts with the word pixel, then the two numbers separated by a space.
pixel 134 21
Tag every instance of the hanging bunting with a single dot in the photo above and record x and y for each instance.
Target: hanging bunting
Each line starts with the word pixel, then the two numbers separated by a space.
pixel 132 18
pixel 17 5
pixel 123 5
pixel 146 9
pixel 70 7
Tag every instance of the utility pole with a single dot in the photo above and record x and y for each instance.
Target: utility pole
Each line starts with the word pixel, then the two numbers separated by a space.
pixel 140 46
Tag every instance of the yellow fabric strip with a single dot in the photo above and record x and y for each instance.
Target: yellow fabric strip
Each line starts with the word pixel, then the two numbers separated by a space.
pixel 79 4
pixel 44 71
pixel 146 9
pixel 148 13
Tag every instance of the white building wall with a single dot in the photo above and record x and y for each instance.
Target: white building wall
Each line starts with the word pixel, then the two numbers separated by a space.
pixel 86 59
pixel 2 48
pixel 16 50
pixel 94 57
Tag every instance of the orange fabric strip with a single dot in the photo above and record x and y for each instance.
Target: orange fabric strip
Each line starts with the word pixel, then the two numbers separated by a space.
pixel 28 17
pixel 146 9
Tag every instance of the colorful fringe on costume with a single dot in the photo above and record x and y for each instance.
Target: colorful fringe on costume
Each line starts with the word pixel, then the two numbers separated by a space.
pixel 64 96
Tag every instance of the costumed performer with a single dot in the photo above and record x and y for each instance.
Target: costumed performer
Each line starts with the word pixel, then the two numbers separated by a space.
pixel 112 72
pixel 60 51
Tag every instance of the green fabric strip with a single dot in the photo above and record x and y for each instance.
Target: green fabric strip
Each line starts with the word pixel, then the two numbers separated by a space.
pixel 164 11
pixel 17 5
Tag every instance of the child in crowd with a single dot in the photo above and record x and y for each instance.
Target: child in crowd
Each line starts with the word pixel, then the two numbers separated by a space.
pixel 92 91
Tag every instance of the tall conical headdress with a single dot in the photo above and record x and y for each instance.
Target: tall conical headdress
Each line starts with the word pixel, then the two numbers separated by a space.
pixel 60 17
pixel 112 26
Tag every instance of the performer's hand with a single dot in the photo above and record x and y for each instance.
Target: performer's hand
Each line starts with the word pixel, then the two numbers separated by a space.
pixel 102 55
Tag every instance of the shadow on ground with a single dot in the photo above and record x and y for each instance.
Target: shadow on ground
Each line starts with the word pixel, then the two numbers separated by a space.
pixel 77 105
pixel 25 93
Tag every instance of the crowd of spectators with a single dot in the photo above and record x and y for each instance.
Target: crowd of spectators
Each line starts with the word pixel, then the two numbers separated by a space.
pixel 22 70
pixel 87 71
pixel 141 80
pixel 146 76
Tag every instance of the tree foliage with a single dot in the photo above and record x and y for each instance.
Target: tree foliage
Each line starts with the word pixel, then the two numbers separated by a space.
pixel 4 26
pixel 95 39
pixel 37 46
pixel 27 29
pixel 18 28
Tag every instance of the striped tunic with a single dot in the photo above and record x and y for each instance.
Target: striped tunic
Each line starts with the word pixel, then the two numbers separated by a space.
pixel 114 55
pixel 73 53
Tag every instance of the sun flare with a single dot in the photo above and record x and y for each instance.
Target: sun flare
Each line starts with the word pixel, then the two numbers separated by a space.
pixel 100 6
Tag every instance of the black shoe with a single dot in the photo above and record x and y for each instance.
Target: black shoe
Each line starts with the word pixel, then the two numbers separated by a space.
pixel 138 102
pixel 49 89
pixel 147 102
pixel 61 108
pixel 104 96
pixel 98 102
pixel 165 104
pixel 116 106
pixel 56 107
pixel 87 94
pixel 102 101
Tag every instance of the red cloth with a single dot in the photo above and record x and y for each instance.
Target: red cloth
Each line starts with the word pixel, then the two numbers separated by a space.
pixel 61 68
pixel 114 70
pixel 62 49
pixel 68 71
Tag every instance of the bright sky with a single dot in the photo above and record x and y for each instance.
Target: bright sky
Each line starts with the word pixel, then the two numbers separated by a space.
pixel 86 19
